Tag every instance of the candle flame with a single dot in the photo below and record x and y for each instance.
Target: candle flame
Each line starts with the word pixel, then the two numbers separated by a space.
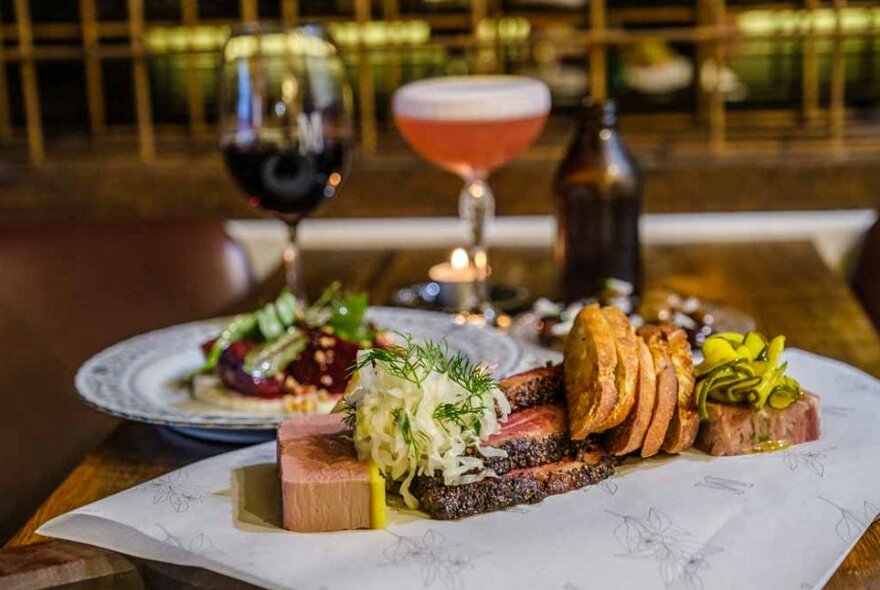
pixel 459 259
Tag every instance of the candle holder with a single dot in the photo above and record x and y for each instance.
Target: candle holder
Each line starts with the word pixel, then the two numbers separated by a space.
pixel 456 282
pixel 452 288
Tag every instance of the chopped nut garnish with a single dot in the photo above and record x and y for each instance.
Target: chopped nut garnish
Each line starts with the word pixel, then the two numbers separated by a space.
pixel 326 380
pixel 327 342
pixel 291 384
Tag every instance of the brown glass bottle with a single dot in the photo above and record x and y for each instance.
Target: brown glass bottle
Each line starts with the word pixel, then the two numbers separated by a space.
pixel 599 200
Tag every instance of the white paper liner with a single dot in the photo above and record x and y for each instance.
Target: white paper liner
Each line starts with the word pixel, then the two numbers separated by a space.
pixel 777 520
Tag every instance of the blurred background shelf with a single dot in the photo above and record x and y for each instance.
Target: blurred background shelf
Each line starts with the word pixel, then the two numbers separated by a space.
pixel 108 107
pixel 105 179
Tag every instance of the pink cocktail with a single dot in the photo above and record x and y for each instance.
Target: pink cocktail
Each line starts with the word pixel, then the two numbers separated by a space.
pixel 465 147
pixel 471 125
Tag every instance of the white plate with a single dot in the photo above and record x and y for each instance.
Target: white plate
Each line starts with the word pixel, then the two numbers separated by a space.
pixel 141 378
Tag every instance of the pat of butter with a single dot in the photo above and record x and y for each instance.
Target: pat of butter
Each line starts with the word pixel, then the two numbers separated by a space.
pixel 377 498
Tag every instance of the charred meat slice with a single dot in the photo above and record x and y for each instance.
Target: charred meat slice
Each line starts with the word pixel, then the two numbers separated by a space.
pixel 536 387
pixel 531 437
pixel 521 486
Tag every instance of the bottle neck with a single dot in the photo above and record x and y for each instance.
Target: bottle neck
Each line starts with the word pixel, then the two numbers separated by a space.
pixel 601 115
pixel 593 124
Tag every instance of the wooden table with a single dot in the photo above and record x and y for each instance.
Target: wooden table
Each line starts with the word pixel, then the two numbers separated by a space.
pixel 784 285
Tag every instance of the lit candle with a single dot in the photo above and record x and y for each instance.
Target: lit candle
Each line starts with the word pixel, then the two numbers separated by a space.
pixel 457 270
pixel 455 280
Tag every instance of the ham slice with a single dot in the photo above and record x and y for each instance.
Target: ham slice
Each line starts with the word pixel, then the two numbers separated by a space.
pixel 323 485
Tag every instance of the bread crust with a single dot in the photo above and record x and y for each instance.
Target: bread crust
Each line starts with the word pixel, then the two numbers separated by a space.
pixel 628 437
pixel 627 371
pixel 667 390
pixel 590 363
pixel 685 421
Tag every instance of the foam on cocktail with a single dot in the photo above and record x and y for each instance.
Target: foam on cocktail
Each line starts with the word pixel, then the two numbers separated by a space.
pixel 473 98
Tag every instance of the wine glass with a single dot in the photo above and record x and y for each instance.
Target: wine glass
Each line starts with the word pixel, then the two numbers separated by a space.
pixel 471 125
pixel 285 123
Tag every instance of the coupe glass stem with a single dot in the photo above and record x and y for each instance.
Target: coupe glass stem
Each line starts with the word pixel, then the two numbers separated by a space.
pixel 293 263
pixel 476 207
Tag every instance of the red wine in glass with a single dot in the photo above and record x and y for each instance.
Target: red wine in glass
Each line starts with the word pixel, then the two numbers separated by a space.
pixel 285 123
pixel 282 179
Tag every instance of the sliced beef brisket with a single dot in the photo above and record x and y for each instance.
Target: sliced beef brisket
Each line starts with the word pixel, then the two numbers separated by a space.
pixel 539 386
pixel 521 486
pixel 531 437
pixel 541 458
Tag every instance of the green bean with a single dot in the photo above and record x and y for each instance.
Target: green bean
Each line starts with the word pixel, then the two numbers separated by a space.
pixel 273 357
pixel 269 322
pixel 239 328
pixel 286 305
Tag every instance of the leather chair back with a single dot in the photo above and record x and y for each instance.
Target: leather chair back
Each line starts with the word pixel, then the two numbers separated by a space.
pixel 866 279
pixel 65 293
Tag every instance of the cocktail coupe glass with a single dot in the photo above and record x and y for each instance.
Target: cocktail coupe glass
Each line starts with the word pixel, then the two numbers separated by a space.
pixel 285 123
pixel 471 125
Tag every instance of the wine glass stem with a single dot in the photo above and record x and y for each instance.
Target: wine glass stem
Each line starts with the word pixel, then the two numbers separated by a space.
pixel 476 206
pixel 293 263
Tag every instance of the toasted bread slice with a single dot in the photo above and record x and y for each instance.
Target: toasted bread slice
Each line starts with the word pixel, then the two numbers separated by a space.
pixel 685 421
pixel 590 363
pixel 627 371
pixel 667 390
pixel 628 437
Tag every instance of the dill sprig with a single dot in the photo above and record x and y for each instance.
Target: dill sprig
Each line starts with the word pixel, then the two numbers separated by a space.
pixel 349 408
pixel 401 420
pixel 413 362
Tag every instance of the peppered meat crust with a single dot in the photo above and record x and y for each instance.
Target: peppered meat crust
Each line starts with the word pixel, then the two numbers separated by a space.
pixel 536 387
pixel 527 452
pixel 524 486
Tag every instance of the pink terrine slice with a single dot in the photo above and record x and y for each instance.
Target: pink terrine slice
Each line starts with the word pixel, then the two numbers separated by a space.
pixel 736 430
pixel 323 485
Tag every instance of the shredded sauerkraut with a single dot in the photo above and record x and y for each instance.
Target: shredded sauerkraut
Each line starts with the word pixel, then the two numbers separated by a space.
pixel 417 411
